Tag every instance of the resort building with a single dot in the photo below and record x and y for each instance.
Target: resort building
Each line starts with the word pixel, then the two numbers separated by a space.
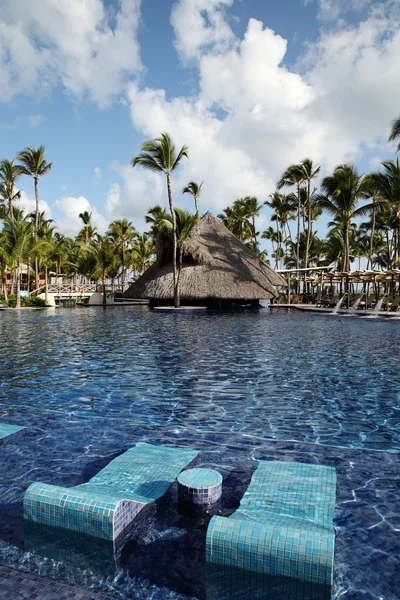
pixel 217 271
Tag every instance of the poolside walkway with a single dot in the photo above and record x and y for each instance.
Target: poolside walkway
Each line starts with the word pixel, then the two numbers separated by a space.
pixel 18 585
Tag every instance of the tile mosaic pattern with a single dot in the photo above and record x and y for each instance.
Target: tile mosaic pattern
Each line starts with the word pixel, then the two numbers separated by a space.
pixel 280 541
pixel 111 500
pixel 200 486
pixel 16 585
pixel 6 430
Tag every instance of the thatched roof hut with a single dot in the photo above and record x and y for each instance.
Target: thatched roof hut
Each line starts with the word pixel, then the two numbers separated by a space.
pixel 217 268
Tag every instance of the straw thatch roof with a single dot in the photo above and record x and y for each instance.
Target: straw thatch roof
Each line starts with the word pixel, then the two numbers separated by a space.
pixel 216 266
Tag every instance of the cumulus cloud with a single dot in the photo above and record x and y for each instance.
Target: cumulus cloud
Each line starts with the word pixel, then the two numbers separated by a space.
pixel 332 9
pixel 27 203
pixel 80 44
pixel 253 116
pixel 70 208
pixel 113 198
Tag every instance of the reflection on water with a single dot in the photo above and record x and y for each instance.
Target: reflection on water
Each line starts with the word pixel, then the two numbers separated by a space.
pixel 89 384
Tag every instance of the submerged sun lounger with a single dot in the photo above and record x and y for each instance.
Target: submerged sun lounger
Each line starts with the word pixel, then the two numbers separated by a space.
pixel 279 544
pixel 6 430
pixel 106 505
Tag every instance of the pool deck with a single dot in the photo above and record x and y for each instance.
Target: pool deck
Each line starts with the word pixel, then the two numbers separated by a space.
pixel 342 311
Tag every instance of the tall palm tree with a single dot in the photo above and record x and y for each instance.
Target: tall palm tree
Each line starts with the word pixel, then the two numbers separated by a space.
pixel 185 222
pixel 309 173
pixel 34 165
pixel 395 132
pixel 103 253
pixel 343 190
pixel 143 252
pixel 122 233
pixel 9 173
pixel 195 190
pixel 159 155
pixel 294 176
pixel 252 211
pixel 86 218
pixel 387 187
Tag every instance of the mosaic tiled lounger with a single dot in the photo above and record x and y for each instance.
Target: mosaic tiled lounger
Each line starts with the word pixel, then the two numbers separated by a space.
pixel 279 544
pixel 111 500
pixel 6 430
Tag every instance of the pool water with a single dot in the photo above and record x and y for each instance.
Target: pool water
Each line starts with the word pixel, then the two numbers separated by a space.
pixel 90 383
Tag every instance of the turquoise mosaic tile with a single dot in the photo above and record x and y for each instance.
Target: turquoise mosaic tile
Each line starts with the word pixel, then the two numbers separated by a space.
pixel 200 486
pixel 111 500
pixel 280 542
pixel 6 430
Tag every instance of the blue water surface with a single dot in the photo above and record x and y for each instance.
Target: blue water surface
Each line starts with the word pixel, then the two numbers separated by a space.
pixel 90 383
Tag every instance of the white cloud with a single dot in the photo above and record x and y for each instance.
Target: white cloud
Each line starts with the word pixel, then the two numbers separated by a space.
pixel 332 9
pixel 199 26
pixel 36 120
pixel 77 43
pixel 252 116
pixel 70 208
pixel 28 204
pixel 113 198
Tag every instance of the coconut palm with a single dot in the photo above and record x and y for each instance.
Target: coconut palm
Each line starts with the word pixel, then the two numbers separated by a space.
pixel 9 173
pixel 343 191
pixel 294 176
pixel 86 218
pixel 34 165
pixel 185 222
pixel 195 190
pixel 309 173
pixel 160 155
pixel 103 252
pixel 395 132
pixel 20 246
pixel 122 233
pixel 143 252
pixel 252 211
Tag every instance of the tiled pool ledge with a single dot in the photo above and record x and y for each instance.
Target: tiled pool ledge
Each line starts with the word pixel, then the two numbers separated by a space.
pixel 7 430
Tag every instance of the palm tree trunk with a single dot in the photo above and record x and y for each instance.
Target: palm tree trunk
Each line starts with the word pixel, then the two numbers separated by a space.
pixel 18 291
pixel 104 289
pixel 35 181
pixel 346 262
pixel 195 205
pixel 298 228
pixel 10 210
pixel 123 267
pixel 278 262
pixel 308 225
pixel 176 298
pixel 254 234
pixel 46 285
pixel 178 281
pixel 371 242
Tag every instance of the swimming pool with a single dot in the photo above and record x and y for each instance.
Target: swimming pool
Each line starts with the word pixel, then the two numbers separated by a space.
pixel 237 387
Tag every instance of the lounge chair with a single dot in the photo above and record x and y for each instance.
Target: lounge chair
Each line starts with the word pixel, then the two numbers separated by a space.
pixel 280 542
pixel 394 307
pixel 7 430
pixel 367 303
pixel 106 505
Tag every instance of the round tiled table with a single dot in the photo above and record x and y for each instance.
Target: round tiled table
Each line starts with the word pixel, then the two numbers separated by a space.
pixel 200 486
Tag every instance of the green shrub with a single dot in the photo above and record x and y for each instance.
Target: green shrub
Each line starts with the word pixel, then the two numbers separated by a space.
pixel 26 301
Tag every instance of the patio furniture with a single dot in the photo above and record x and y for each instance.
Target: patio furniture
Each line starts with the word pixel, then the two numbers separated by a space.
pixel 6 430
pixel 394 307
pixel 106 505
pixel 280 542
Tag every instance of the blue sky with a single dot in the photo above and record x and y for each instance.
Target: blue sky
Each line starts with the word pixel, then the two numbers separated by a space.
pixel 250 86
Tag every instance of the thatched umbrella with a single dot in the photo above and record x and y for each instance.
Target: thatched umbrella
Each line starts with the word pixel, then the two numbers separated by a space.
pixel 217 267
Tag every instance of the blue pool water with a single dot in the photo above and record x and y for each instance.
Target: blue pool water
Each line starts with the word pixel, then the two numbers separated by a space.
pixel 238 387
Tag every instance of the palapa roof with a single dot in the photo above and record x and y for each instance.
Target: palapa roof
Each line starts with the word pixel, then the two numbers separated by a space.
pixel 218 266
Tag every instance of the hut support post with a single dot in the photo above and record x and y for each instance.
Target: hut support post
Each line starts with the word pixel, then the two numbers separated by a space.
pixel 288 288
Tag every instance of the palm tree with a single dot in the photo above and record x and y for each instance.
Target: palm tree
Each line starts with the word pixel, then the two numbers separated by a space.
pixel 20 245
pixel 294 176
pixel 122 233
pixel 395 132
pixel 86 218
pixel 9 173
pixel 309 173
pixel 34 165
pixel 159 155
pixel 143 252
pixel 195 190
pixel 343 190
pixel 252 210
pixel 102 251
pixel 155 217
pixel 387 187
pixel 185 222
